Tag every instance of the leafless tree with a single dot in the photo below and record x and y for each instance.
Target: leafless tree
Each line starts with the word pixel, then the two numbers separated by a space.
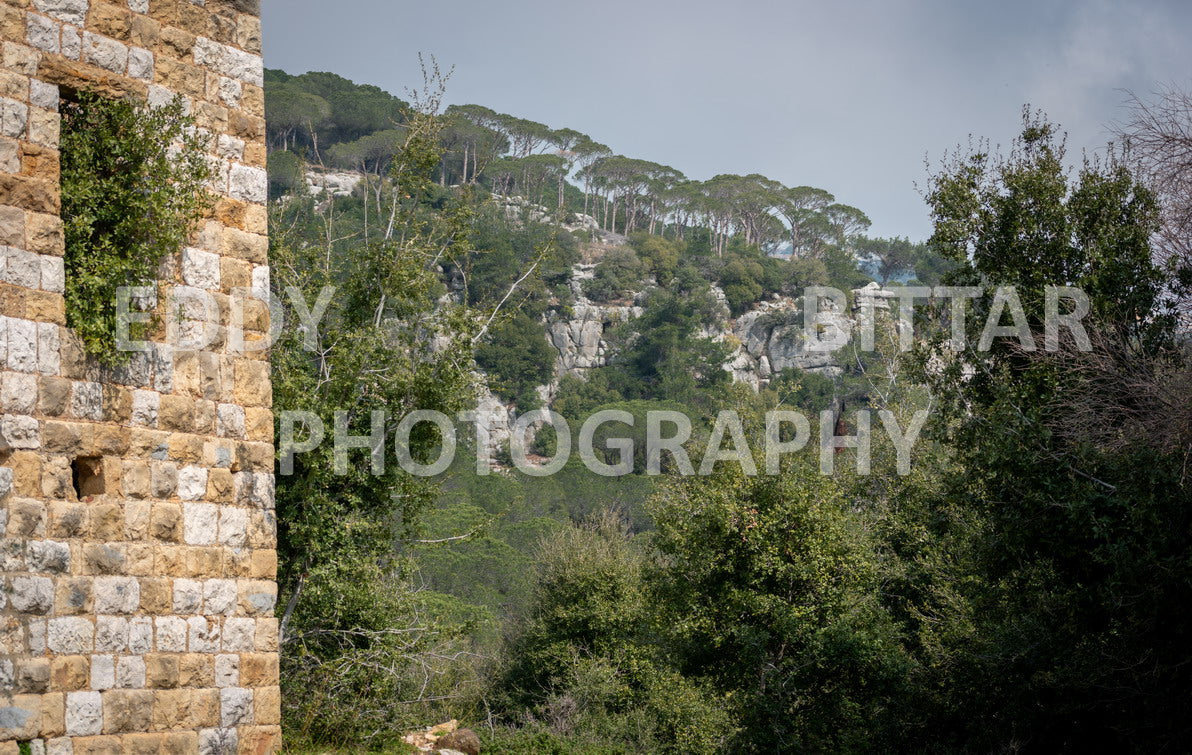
pixel 1157 135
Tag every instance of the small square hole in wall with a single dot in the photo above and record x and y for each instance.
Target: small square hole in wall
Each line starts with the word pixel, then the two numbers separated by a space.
pixel 87 473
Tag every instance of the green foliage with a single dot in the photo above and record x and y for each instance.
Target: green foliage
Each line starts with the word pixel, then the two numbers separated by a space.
pixel 354 608
pixel 660 355
pixel 127 203
pixel 1077 553
pixel 320 110
pixel 742 280
pixel 285 173
pixel 371 153
pixel 579 662
pixel 809 391
pixel 616 277
pixel 660 255
pixel 773 593
pixel 517 359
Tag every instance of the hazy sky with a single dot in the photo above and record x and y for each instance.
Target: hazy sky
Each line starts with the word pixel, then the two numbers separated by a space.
pixel 849 96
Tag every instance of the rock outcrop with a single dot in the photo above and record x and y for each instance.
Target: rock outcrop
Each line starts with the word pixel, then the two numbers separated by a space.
pixel 335 183
pixel 765 341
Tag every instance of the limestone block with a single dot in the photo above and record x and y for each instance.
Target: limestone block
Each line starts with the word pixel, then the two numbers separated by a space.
pixel 18 393
pixel 103 672
pixel 22 268
pixel 19 432
pixel 14 117
pixel 140 63
pixel 238 634
pixel 117 595
pixel 235 705
pixel 238 64
pixel 69 673
pixel 105 53
pixel 48 556
pixel 200 269
pixel 219 596
pixel 170 635
pixel 233 527
pixel 227 670
pixel 70 11
pixel 248 183
pixel 130 672
pixel 42 33
pixel 43 95
pixel 22 344
pixel 127 710
pixel 188 596
pixel 140 635
pixel 52 273
pixel 111 634
pixel 84 713
pixel 202 636
pixel 145 407
pixel 230 421
pixel 33 595
pixel 86 401
pixel 49 349
pixel 200 523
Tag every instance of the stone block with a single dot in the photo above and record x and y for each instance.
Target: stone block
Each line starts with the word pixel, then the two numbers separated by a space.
pixel 161 670
pixel 33 675
pixel 69 673
pixel 86 401
pixel 219 597
pixel 165 522
pixel 188 596
pixel 202 636
pixel 103 672
pixel 72 596
pixel 111 634
pixel 227 670
pixel 84 713
pixel 48 556
pixel 130 672
pixel 259 670
pixel 140 63
pixel 200 269
pixel 105 52
pixel 145 406
pixel 70 11
pixel 233 527
pixel 127 710
pixel 31 595
pixel 42 33
pixel 218 742
pixel 117 595
pixel 235 706
pixel 170 634
pixel 18 393
pixel 200 523
pixel 19 432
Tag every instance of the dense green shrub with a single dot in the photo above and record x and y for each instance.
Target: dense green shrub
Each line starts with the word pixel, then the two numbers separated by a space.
pixel 128 201
pixel 617 276
pixel 517 359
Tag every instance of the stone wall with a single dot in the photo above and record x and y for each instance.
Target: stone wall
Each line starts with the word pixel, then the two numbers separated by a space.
pixel 137 557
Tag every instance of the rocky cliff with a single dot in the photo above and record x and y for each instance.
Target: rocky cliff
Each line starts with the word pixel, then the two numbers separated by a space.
pixel 766 340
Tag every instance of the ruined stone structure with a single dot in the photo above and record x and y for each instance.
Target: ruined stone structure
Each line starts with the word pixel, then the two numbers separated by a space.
pixel 137 534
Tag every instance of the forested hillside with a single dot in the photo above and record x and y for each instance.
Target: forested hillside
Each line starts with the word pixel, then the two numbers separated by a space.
pixel 1021 588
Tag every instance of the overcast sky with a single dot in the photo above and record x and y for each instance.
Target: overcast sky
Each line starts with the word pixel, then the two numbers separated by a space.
pixel 849 96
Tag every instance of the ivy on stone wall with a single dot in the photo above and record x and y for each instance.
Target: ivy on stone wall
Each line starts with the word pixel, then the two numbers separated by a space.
pixel 132 189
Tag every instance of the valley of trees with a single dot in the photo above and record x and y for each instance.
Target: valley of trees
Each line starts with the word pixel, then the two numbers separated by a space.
pixel 1024 588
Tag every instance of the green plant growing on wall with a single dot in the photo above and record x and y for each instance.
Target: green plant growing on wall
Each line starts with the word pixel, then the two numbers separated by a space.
pixel 132 188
